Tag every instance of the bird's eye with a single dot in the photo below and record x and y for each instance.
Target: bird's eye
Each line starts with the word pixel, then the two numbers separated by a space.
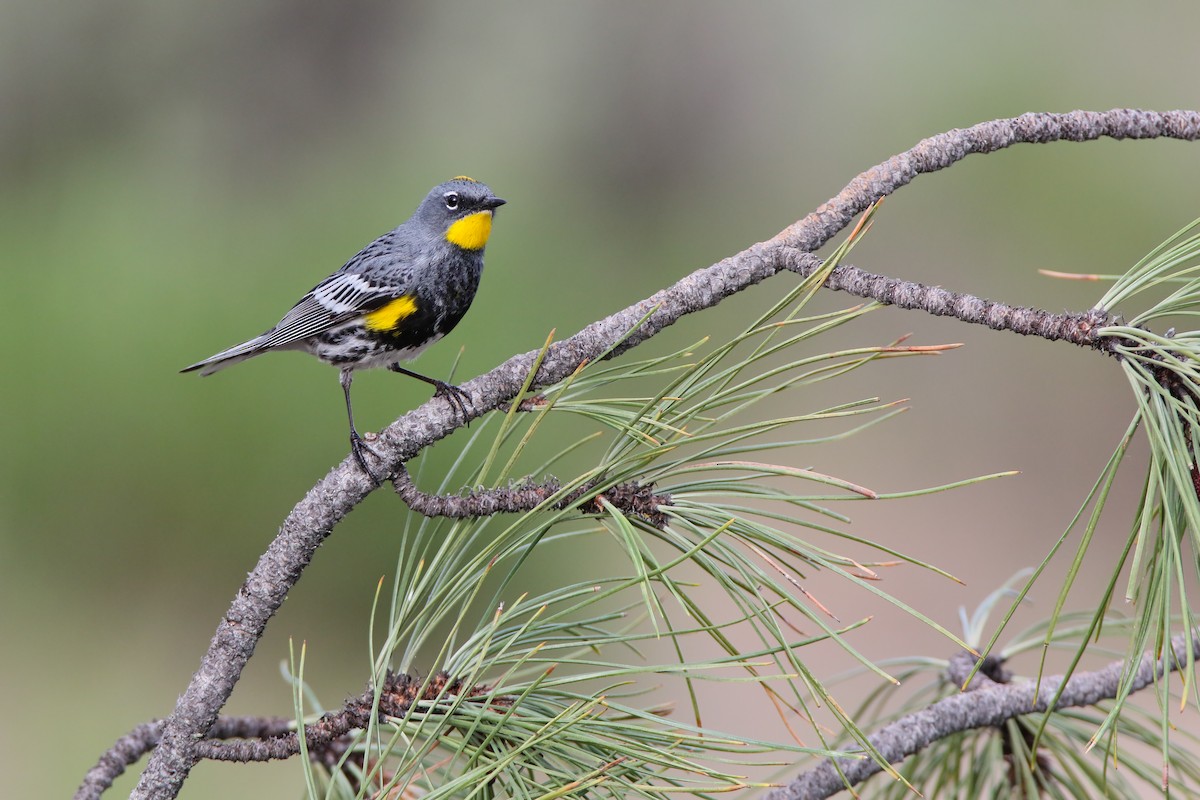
pixel 452 200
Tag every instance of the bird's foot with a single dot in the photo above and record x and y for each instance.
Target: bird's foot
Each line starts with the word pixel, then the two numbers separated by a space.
pixel 459 400
pixel 359 448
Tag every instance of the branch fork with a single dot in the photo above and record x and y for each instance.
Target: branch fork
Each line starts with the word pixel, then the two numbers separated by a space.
pixel 345 486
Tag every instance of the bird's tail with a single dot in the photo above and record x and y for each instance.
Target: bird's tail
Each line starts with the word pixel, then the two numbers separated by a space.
pixel 231 356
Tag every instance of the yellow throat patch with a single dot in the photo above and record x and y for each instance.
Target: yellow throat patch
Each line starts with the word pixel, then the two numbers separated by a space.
pixel 471 233
pixel 391 315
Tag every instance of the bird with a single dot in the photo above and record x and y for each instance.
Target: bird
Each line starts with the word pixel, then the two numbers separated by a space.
pixel 395 297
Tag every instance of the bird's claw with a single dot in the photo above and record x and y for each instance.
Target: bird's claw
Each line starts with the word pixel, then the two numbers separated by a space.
pixel 459 400
pixel 358 447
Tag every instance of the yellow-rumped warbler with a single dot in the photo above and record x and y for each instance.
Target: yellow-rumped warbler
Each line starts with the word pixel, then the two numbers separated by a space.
pixel 401 293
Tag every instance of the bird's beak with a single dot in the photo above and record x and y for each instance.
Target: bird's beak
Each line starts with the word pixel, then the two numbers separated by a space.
pixel 493 202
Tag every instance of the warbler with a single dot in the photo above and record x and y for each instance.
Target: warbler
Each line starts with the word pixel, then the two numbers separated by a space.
pixel 398 295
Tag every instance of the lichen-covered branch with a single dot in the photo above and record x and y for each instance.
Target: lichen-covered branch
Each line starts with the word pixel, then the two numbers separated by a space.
pixel 1077 328
pixel 129 749
pixel 988 705
pixel 397 695
pixel 632 498
pixel 314 517
pixel 247 739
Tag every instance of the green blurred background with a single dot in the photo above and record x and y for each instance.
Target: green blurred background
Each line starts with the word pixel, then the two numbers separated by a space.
pixel 175 174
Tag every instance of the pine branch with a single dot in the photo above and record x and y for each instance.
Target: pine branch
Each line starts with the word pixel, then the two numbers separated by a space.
pixel 345 486
pixel 988 705
pixel 632 498
pixel 1077 328
pixel 127 750
pixel 250 739
pixel 397 695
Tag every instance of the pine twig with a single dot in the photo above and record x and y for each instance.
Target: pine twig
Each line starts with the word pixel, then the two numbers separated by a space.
pixel 129 749
pixel 987 706
pixel 252 739
pixel 633 498
pixel 340 491
pixel 397 695
pixel 1077 328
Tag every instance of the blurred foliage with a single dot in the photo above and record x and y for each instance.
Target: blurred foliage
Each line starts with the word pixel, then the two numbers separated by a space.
pixel 174 175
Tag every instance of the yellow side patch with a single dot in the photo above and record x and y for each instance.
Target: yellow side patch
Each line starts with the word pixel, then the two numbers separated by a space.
pixel 471 233
pixel 390 316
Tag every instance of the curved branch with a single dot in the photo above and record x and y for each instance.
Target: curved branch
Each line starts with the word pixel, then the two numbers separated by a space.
pixel 987 706
pixel 272 738
pixel 397 695
pixel 345 486
pixel 1077 328
pixel 127 750
pixel 633 498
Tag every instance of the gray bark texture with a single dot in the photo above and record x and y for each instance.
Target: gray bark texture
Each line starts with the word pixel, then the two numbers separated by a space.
pixel 345 486
pixel 988 706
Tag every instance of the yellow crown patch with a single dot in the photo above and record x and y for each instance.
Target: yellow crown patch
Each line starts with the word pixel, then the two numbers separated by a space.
pixel 467 178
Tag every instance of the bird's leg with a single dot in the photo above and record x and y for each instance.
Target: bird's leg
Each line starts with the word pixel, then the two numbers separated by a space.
pixel 357 445
pixel 459 400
